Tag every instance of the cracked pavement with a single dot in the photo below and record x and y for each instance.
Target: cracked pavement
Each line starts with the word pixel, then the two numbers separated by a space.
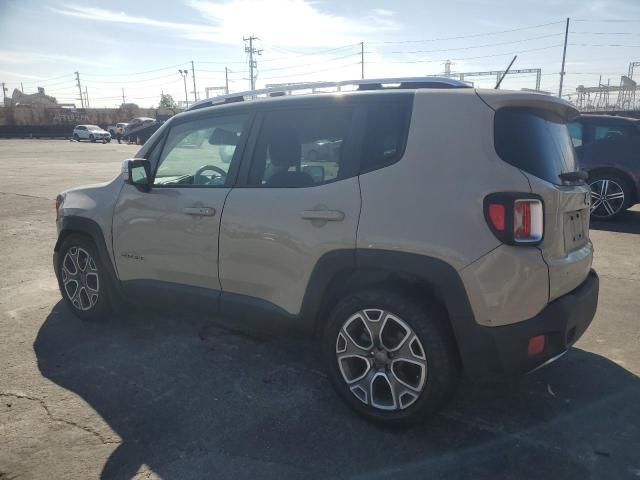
pixel 158 395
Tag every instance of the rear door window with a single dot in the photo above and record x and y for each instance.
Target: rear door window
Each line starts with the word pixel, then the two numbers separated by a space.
pixel 536 141
pixel 303 148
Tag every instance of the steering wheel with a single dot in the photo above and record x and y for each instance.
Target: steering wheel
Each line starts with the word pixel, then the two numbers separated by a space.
pixel 199 179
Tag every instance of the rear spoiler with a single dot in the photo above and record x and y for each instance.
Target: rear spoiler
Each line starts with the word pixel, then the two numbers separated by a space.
pixel 496 99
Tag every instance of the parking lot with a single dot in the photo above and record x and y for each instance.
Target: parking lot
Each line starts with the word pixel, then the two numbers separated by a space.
pixel 153 395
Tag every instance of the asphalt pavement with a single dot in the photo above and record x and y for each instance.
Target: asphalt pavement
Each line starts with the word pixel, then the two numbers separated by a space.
pixel 157 395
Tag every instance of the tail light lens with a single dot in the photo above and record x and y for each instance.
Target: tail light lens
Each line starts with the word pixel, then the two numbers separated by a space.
pixel 59 200
pixel 515 218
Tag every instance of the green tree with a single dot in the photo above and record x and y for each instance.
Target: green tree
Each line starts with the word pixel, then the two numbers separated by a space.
pixel 167 101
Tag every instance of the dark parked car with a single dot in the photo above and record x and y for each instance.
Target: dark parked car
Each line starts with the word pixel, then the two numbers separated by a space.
pixel 608 148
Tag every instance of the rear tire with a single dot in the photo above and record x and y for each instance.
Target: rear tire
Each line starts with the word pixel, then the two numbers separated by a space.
pixel 92 138
pixel 610 196
pixel 76 137
pixel 396 373
pixel 83 280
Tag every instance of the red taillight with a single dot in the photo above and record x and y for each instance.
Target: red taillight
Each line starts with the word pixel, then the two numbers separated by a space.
pixel 496 215
pixel 536 345
pixel 59 199
pixel 515 218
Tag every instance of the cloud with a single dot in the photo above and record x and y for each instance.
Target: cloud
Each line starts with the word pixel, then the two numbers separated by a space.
pixel 19 75
pixel 30 57
pixel 283 22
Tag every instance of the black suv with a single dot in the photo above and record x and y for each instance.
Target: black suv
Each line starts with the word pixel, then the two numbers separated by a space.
pixel 608 148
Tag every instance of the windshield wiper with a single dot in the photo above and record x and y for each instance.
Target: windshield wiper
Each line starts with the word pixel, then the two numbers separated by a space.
pixel 578 175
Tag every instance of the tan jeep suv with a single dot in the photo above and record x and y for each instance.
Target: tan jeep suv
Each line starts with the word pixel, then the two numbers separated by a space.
pixel 445 229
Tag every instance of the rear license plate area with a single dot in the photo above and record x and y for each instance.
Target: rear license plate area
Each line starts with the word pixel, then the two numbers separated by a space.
pixel 576 224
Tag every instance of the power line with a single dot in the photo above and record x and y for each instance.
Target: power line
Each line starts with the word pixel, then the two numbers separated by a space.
pixel 309 64
pixel 134 73
pixel 311 73
pixel 602 45
pixel 481 46
pixel 608 20
pixel 476 57
pixel 604 33
pixel 474 35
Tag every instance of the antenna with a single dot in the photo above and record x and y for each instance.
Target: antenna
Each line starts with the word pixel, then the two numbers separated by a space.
pixel 505 73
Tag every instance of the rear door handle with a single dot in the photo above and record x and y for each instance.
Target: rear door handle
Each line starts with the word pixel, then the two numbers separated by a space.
pixel 200 211
pixel 328 215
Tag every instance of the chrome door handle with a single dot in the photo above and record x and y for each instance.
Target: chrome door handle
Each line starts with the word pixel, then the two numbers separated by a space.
pixel 200 211
pixel 328 215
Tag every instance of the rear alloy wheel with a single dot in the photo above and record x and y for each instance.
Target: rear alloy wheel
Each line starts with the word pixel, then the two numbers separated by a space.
pixel 609 197
pixel 390 358
pixel 381 359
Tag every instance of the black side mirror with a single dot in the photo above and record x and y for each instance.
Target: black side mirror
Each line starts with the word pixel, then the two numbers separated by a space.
pixel 137 172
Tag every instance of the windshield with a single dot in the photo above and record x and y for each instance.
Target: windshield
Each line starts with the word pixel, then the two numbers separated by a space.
pixel 536 141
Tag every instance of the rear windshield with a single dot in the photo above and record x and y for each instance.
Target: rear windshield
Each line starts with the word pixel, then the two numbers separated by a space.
pixel 536 141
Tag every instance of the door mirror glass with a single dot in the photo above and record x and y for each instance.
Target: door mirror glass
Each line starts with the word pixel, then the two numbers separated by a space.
pixel 138 172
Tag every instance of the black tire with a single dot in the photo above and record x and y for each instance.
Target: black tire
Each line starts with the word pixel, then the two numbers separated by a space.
pixel 101 307
pixel 76 137
pixel 429 323
pixel 616 184
pixel 92 138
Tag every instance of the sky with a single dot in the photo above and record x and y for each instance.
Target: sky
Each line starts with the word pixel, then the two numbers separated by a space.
pixel 139 46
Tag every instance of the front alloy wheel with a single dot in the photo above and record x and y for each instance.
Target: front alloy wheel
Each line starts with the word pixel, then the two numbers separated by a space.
pixel 607 198
pixel 80 278
pixel 381 360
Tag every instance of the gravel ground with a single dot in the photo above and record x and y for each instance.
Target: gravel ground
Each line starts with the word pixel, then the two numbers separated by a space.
pixel 154 395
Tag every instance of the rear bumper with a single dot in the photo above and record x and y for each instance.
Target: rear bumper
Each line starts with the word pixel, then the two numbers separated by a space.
pixel 502 351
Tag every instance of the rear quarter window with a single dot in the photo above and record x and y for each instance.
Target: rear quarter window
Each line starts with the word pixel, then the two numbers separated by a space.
pixel 385 136
pixel 536 141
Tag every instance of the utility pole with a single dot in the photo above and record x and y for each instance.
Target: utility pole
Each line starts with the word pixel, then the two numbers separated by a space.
pixel 183 74
pixel 564 56
pixel 193 74
pixel 4 95
pixel 86 97
pixel 123 100
pixel 79 89
pixel 362 59
pixel 226 80
pixel 253 64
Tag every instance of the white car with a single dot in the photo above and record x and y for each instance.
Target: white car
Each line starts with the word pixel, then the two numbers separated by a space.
pixel 90 132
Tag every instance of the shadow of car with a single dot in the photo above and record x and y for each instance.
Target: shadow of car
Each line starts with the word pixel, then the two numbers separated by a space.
pixel 192 400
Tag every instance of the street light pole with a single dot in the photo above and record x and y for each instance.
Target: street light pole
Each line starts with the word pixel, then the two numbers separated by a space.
pixel 183 74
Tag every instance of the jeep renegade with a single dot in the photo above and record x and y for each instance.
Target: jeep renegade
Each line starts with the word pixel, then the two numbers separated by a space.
pixel 442 229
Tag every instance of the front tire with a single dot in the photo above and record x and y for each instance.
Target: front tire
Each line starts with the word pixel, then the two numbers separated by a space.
pixel 610 196
pixel 83 280
pixel 391 358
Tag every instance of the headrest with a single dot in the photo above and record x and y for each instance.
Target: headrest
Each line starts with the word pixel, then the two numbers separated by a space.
pixel 285 149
